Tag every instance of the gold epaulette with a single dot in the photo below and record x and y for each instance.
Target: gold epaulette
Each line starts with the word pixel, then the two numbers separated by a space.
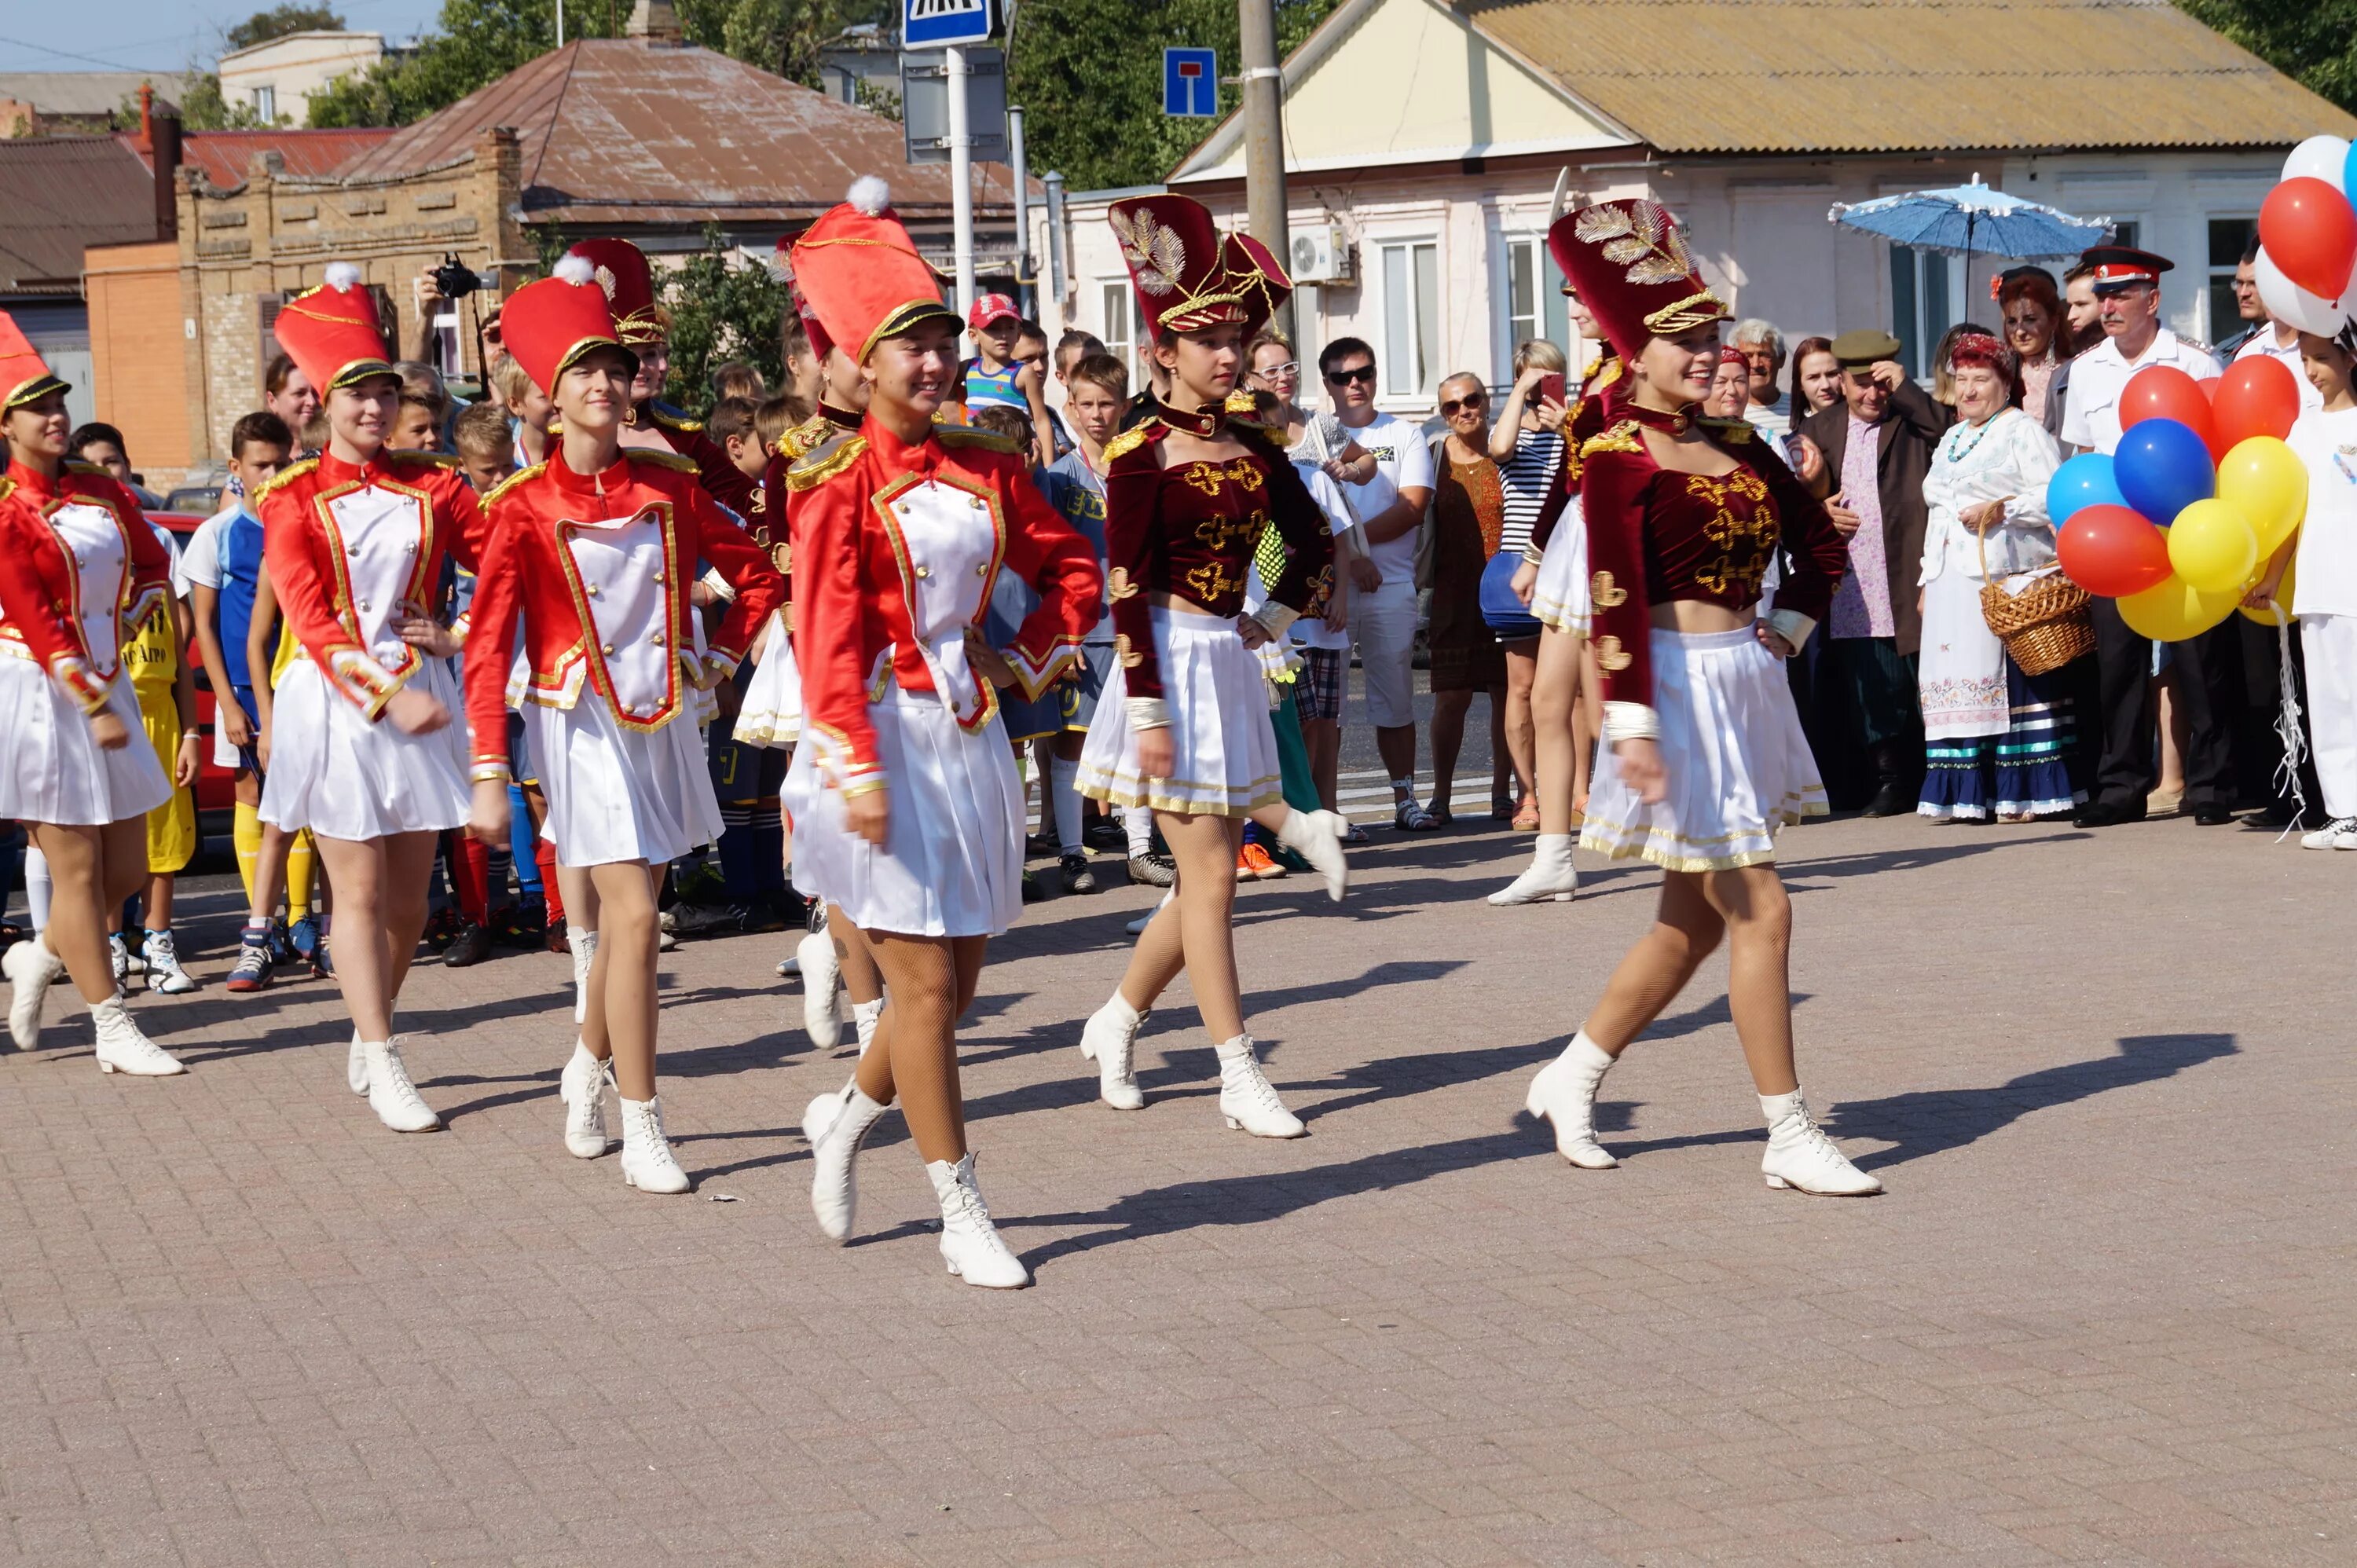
pixel 292 471
pixel 1130 439
pixel 823 464
pixel 7 486
pixel 432 459
pixel 1736 431
pixel 512 481
pixel 670 418
pixel 76 466
pixel 974 436
pixel 1620 437
pixel 805 438
pixel 1602 374
pixel 672 460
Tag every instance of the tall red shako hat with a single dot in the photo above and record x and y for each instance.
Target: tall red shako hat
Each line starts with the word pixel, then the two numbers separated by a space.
pixel 860 275
pixel 1185 274
pixel 331 332
pixel 1629 262
pixel 629 284
pixel 25 376
pixel 549 324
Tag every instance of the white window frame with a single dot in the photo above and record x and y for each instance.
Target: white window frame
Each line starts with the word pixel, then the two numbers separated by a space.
pixel 1510 334
pixel 1390 390
pixel 265 103
pixel 1124 328
pixel 2212 274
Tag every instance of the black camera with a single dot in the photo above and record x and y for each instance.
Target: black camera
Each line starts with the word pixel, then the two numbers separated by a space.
pixel 454 279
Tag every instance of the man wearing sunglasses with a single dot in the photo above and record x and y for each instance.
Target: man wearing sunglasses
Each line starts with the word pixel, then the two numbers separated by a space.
pixel 1391 509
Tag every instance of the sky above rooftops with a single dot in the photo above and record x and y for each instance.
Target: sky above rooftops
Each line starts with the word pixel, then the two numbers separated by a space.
pixel 166 35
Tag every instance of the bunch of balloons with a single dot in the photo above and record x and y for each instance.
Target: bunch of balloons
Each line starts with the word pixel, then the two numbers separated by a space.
pixel 2181 521
pixel 2308 238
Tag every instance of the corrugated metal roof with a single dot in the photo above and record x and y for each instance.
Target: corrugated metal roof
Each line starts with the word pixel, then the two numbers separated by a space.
pixel 225 155
pixel 1686 75
pixel 616 132
pixel 60 193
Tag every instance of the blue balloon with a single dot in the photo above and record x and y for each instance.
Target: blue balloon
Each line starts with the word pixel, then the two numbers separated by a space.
pixel 2349 168
pixel 2163 467
pixel 2086 481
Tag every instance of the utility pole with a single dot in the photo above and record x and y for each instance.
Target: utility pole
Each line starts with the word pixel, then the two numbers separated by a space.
pixel 1264 88
pixel 961 141
pixel 1024 293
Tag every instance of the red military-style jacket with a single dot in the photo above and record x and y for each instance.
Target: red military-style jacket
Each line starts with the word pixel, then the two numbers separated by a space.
pixel 897 548
pixel 79 566
pixel 351 548
pixel 601 565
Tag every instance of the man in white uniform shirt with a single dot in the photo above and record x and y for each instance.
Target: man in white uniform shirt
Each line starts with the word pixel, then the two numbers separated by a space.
pixel 2127 292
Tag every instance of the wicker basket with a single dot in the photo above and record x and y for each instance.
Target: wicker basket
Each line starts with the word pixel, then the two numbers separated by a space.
pixel 2045 626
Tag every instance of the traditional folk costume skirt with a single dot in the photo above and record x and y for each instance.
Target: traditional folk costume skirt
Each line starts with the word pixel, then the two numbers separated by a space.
pixel 334 772
pixel 952 861
pixel 1561 599
pixel 1739 765
pixel 771 710
pixel 1996 741
pixel 1225 753
pixel 617 793
pixel 52 770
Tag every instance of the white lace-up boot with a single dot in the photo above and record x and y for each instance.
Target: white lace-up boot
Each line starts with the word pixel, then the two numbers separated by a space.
pixel 970 1244
pixel 356 1065
pixel 584 952
pixel 1246 1098
pixel 391 1095
pixel 1564 1092
pixel 1800 1155
pixel 1317 837
pixel 836 1124
pixel 865 1017
pixel 122 1048
pixel 1109 1039
pixel 582 1086
pixel 1549 878
pixel 647 1162
pixel 820 1019
pixel 31 969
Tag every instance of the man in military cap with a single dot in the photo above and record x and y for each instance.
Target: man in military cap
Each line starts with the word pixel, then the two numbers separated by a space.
pixel 2127 294
pixel 1878 445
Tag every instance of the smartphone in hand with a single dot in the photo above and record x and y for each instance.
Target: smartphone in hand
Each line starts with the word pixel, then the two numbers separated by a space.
pixel 1550 386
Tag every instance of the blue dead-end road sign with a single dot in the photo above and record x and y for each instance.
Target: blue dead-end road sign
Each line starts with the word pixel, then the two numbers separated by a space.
pixel 936 24
pixel 1191 83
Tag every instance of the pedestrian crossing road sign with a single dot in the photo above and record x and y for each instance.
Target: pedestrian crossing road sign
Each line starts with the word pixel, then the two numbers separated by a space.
pixel 935 24
pixel 1191 83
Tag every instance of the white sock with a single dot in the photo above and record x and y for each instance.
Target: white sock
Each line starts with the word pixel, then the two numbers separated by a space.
pixel 1139 822
pixel 37 888
pixel 1066 800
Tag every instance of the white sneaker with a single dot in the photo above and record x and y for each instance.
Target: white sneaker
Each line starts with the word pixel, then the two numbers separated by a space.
pixel 2341 832
pixel 1800 1156
pixel 836 1124
pixel 122 1048
pixel 356 1065
pixel 1317 837
pixel 31 969
pixel 1549 879
pixel 582 1087
pixel 647 1162
pixel 164 971
pixel 391 1095
pixel 970 1244
pixel 585 952
pixel 118 952
pixel 1564 1092
pixel 821 1020
pixel 1109 1039
pixel 1247 1098
pixel 865 1017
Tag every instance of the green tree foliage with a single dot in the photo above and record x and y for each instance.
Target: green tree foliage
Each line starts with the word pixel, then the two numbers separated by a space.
pixel 199 98
pixel 722 309
pixel 1089 76
pixel 281 20
pixel 478 42
pixel 2312 41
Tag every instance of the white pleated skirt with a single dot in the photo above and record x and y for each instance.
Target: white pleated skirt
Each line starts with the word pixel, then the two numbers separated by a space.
pixel 53 771
pixel 334 772
pixel 952 861
pixel 1226 751
pixel 1739 766
pixel 771 712
pixel 618 794
pixel 1562 598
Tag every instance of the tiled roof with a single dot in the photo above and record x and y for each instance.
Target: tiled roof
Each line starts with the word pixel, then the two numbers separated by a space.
pixel 619 132
pixel 60 193
pixel 1686 75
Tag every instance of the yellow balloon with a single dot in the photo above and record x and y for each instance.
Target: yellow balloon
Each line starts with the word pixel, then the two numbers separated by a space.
pixel 2264 481
pixel 2283 595
pixel 2177 609
pixel 2213 546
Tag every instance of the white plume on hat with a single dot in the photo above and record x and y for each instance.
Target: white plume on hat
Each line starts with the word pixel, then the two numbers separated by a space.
pixel 574 269
pixel 870 195
pixel 342 277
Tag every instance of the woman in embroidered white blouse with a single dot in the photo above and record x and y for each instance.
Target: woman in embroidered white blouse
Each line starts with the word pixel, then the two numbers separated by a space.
pixel 1997 742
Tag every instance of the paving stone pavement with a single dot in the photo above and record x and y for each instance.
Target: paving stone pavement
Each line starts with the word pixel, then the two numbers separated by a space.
pixel 2104 1315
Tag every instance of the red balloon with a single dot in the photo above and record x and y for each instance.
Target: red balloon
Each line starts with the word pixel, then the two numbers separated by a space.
pixel 2208 385
pixel 2164 391
pixel 2310 234
pixel 2257 396
pixel 2112 550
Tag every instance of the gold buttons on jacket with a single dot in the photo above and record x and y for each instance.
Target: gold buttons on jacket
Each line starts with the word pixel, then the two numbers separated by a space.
pixel 924 571
pixel 362 607
pixel 659 578
pixel 982 570
pixel 590 589
pixel 607 648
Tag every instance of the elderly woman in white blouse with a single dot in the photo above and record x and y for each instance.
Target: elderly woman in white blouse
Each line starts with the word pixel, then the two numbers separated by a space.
pixel 1997 742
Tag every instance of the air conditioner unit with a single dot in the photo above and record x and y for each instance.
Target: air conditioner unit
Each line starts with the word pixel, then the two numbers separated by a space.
pixel 1320 255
